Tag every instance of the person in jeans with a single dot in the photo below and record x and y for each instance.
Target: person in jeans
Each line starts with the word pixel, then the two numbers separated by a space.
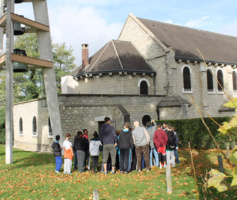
pixel 125 143
pixel 141 141
pixel 160 140
pixel 176 146
pixel 75 151
pixel 95 150
pixel 57 153
pixel 108 139
pixel 82 146
pixel 151 131
pixel 170 147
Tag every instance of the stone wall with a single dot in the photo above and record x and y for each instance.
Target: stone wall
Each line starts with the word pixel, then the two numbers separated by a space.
pixel 107 84
pixel 150 50
pixel 28 140
pixel 87 111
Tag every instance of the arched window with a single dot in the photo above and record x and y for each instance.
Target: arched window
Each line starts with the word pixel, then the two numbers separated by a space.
pixel 210 87
pixel 187 79
pixel 34 125
pixel 143 87
pixel 234 75
pixel 20 126
pixel 220 79
pixel 50 128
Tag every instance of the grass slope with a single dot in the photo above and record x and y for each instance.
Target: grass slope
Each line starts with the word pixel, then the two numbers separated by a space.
pixel 32 176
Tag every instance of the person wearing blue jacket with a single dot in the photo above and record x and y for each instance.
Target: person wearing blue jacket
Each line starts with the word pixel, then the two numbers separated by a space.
pixel 57 153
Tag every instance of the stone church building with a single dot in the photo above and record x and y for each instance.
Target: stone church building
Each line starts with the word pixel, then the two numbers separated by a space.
pixel 151 69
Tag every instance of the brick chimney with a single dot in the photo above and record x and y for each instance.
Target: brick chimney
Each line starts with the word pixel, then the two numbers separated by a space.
pixel 85 55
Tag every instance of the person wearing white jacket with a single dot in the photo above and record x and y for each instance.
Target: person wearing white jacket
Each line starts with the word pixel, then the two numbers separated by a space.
pixel 95 150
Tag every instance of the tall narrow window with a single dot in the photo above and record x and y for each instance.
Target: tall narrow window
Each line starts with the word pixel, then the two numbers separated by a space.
pixel 209 81
pixel 187 79
pixel 143 87
pixel 220 79
pixel 34 125
pixel 234 74
pixel 50 128
pixel 20 126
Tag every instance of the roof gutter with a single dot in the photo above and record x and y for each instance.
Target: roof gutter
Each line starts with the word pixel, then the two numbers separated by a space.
pixel 201 60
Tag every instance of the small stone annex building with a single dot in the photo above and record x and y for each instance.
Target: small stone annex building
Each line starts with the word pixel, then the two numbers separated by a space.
pixel 151 69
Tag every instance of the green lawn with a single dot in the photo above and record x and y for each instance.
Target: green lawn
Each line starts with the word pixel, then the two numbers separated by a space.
pixel 32 176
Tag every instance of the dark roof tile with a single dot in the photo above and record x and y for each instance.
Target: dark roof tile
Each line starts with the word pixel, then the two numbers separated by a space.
pixel 185 41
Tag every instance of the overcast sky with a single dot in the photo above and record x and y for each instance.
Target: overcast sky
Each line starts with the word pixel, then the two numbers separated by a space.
pixel 96 22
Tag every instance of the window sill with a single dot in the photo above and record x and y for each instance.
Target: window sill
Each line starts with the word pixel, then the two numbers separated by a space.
pixel 187 91
pixel 20 134
pixel 34 136
pixel 211 92
pixel 50 137
pixel 219 92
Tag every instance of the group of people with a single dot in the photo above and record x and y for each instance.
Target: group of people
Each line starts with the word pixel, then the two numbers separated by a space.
pixel 126 150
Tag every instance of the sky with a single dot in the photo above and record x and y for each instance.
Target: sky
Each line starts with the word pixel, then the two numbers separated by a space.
pixel 96 22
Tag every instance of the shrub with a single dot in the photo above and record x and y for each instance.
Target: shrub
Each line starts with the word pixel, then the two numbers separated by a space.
pixel 195 132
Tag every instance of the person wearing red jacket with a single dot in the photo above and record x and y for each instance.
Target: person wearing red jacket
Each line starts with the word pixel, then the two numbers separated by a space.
pixel 160 141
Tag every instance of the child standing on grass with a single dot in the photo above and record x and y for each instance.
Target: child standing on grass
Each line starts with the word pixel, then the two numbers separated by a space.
pixel 57 153
pixel 160 141
pixel 68 154
pixel 95 150
pixel 170 147
pixel 176 146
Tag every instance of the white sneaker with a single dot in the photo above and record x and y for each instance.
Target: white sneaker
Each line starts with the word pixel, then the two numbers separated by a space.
pixel 160 166
pixel 57 171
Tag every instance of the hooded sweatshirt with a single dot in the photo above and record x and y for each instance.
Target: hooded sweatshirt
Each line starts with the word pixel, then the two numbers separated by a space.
pixel 171 140
pixel 125 140
pixel 95 147
pixel 160 138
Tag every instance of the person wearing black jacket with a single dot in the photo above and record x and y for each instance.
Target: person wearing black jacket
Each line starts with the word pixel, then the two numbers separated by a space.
pixel 125 143
pixel 81 145
pixel 170 147
pixel 57 153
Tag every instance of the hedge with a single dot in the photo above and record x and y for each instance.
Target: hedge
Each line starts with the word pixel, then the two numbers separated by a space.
pixel 2 135
pixel 195 132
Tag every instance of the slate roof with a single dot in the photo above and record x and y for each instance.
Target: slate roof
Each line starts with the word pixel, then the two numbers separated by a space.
pixel 115 56
pixel 185 41
pixel 172 101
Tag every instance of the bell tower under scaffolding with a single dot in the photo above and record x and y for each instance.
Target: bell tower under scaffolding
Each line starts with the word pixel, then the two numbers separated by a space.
pixel 11 58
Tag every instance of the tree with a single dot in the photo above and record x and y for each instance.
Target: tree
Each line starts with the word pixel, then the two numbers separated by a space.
pixel 30 85
pixel 63 61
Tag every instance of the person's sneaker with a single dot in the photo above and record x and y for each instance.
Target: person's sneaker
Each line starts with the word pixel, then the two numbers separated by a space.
pixel 57 171
pixel 139 170
pixel 113 172
pixel 121 172
pixel 125 172
pixel 106 172
pixel 160 166
pixel 70 173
